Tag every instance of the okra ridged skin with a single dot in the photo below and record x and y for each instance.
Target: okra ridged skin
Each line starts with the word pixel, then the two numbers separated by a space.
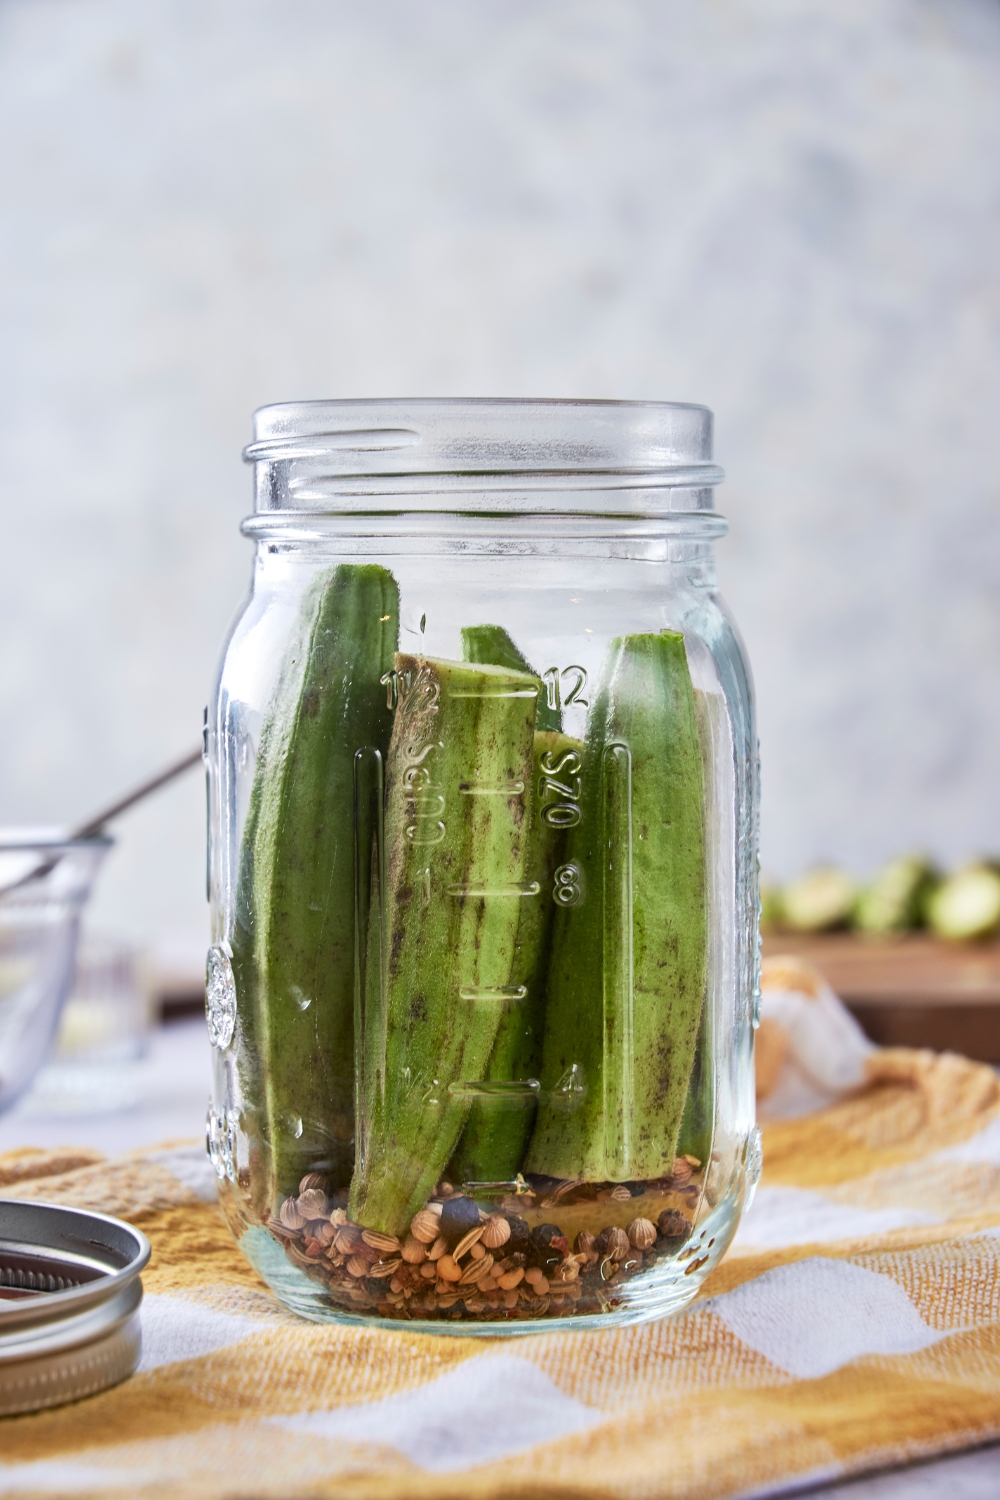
pixel 296 902
pixel 456 844
pixel 496 1135
pixel 497 1131
pixel 627 979
pixel 492 645
pixel 246 1042
pixel 697 1127
pixel 698 1120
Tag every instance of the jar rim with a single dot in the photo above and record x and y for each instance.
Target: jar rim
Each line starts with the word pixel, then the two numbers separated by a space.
pixel 331 455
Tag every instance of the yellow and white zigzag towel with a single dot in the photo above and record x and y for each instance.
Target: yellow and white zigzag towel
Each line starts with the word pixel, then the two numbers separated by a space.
pixel 854 1324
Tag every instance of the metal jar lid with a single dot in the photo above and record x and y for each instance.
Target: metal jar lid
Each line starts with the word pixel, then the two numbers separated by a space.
pixel 69 1303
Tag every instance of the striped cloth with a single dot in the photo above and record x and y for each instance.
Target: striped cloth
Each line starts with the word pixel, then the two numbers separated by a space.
pixel 854 1324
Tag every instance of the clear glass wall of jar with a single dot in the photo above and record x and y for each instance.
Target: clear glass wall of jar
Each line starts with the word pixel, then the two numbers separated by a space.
pixel 482 867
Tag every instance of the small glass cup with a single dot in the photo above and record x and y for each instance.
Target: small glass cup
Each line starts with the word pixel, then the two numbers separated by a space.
pixel 45 880
pixel 96 1064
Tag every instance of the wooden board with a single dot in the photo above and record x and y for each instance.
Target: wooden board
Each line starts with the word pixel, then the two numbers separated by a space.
pixel 911 991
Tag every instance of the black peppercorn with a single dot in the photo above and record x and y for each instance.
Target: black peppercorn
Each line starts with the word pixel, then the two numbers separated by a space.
pixel 520 1236
pixel 458 1216
pixel 548 1246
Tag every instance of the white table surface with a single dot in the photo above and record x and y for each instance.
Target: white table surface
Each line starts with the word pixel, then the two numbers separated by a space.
pixel 171 1086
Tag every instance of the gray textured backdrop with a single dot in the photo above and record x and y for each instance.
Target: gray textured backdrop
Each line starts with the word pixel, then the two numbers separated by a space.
pixel 787 209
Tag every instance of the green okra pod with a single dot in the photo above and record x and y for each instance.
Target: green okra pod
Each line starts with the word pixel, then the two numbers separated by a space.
pixel 294 942
pixel 457 785
pixel 496 1135
pixel 628 970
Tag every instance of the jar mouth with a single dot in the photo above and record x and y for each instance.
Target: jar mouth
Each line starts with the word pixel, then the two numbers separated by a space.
pixel 484 454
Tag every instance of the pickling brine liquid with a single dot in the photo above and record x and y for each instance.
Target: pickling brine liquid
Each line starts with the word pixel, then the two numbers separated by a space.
pixel 479 961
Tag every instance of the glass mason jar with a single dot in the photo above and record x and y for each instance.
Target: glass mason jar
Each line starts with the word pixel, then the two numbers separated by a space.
pixel 482 866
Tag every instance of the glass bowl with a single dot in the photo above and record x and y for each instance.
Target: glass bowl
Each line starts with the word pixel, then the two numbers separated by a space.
pixel 45 879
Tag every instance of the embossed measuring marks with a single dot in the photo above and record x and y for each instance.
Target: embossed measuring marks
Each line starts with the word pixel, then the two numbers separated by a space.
pixel 507 795
pixel 564 686
pixel 567 885
pixel 486 992
pixel 557 801
pixel 559 789
pixel 409 690
pixel 525 888
pixel 508 791
pixel 523 1088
